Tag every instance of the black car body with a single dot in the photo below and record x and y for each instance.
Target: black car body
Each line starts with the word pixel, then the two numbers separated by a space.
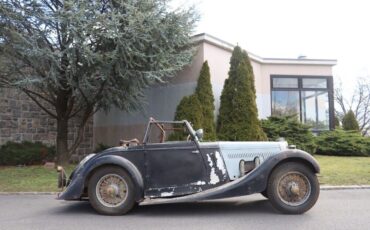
pixel 191 170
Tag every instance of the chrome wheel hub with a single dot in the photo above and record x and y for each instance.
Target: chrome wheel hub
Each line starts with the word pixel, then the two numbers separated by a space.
pixel 294 188
pixel 111 190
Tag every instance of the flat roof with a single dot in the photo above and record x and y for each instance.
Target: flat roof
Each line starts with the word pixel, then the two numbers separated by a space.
pixel 204 37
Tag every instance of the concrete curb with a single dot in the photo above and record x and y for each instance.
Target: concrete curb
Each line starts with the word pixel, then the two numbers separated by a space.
pixel 322 187
pixel 28 193
pixel 343 187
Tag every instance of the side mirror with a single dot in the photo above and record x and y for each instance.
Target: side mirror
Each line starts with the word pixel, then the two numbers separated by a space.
pixel 199 133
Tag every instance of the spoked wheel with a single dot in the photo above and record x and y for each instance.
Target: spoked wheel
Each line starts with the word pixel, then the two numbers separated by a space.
pixel 293 188
pixel 111 191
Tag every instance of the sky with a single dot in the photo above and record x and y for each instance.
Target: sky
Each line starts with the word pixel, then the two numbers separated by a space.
pixel 322 29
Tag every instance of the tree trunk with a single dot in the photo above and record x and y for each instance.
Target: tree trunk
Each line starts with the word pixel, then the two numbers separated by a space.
pixel 62 141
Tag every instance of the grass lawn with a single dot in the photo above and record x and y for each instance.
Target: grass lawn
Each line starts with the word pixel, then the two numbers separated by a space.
pixel 29 179
pixel 344 170
pixel 334 171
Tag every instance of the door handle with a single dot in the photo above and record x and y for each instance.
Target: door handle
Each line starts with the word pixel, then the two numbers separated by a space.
pixel 195 151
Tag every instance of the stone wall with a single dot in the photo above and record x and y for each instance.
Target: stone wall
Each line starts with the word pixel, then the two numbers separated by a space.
pixel 22 120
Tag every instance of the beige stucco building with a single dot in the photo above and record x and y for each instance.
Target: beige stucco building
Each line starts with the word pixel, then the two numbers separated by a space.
pixel 284 86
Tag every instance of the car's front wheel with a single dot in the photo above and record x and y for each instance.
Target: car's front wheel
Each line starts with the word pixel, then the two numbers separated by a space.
pixel 293 188
pixel 111 191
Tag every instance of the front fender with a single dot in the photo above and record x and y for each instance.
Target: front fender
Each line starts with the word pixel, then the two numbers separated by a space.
pixel 295 154
pixel 256 181
pixel 75 189
pixel 291 155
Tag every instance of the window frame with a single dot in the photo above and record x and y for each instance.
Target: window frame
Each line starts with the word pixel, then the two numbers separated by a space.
pixel 329 89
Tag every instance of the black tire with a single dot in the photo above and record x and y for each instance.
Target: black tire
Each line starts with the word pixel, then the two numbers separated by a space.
pixel 299 188
pixel 96 200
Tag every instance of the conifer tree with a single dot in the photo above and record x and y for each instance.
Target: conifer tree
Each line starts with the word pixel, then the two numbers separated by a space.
pixel 206 99
pixel 349 121
pixel 238 115
pixel 188 109
pixel 74 58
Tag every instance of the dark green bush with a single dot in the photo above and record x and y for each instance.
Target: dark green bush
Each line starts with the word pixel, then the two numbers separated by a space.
pixel 25 153
pixel 293 131
pixel 343 143
pixel 198 108
pixel 349 121
pixel 188 109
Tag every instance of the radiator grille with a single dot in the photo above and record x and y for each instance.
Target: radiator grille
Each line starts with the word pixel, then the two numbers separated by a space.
pixel 249 155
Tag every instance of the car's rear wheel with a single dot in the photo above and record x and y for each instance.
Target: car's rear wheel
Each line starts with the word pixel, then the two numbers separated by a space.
pixel 111 191
pixel 293 188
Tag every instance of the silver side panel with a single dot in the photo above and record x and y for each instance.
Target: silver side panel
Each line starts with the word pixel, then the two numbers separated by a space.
pixel 234 152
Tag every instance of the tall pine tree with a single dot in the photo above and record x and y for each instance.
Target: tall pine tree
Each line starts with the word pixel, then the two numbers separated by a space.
pixel 238 115
pixel 206 99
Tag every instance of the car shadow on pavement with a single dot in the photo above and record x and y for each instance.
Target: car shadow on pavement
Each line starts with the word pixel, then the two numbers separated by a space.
pixel 214 207
pixel 74 207
pixel 205 208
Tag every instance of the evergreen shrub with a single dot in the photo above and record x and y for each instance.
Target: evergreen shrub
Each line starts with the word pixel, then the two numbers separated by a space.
pixel 238 115
pixel 26 153
pixel 188 109
pixel 205 96
pixel 349 121
pixel 293 131
pixel 342 143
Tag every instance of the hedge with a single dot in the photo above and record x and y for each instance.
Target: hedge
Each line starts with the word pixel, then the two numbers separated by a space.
pixel 293 131
pixel 25 153
pixel 342 143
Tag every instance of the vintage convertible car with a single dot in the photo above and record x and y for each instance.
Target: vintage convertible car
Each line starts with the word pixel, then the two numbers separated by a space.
pixel 186 169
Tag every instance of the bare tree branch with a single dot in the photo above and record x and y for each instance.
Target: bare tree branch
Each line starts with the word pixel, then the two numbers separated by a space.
pixel 40 105
pixel 360 101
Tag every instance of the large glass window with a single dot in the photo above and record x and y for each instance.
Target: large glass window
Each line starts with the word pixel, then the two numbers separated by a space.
pixel 304 96
pixel 314 83
pixel 285 82
pixel 285 103
pixel 315 109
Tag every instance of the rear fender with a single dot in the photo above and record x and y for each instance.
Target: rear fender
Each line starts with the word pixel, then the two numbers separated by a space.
pixel 75 189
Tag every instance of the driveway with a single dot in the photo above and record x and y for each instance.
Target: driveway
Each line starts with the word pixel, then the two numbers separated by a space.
pixel 336 209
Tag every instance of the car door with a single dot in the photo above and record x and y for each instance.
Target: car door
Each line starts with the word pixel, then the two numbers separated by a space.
pixel 173 169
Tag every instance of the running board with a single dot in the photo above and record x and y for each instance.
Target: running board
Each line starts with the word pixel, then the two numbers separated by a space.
pixel 230 189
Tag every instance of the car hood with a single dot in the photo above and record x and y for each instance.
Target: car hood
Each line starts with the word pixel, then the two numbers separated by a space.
pixel 248 150
pixel 233 152
pixel 253 145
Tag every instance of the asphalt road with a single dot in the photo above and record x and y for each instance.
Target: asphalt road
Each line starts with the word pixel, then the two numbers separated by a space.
pixel 336 209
